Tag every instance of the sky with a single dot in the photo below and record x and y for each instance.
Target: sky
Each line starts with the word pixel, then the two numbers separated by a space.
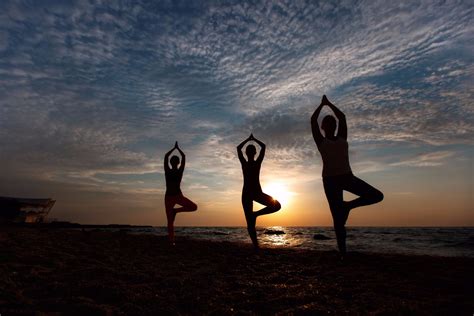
pixel 93 93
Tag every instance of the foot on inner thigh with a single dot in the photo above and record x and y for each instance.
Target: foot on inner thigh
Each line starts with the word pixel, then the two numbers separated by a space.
pixel 346 209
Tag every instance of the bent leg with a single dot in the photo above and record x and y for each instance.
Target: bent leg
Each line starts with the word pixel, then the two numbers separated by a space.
pixel 247 204
pixel 367 194
pixel 271 204
pixel 186 205
pixel 339 213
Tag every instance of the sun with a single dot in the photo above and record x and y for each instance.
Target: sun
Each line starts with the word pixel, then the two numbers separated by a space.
pixel 279 191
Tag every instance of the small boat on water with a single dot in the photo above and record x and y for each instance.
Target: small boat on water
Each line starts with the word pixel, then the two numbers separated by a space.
pixel 24 210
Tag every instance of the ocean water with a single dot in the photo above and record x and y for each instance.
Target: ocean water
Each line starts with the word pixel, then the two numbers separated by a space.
pixel 433 241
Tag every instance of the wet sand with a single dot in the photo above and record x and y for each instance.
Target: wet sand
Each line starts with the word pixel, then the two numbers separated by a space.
pixel 69 272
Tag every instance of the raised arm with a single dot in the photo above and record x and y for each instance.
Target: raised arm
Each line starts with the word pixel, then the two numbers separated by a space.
pixel 239 150
pixel 166 162
pixel 342 126
pixel 318 137
pixel 183 157
pixel 262 148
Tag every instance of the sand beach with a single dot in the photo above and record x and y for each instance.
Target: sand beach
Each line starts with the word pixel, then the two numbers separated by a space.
pixel 46 271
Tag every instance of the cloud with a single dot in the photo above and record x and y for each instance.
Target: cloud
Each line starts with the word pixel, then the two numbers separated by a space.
pixel 433 159
pixel 94 93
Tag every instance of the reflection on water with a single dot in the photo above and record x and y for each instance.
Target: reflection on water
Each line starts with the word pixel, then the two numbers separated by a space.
pixel 276 236
pixel 276 240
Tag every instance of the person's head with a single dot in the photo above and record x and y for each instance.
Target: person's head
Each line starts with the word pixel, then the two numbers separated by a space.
pixel 329 125
pixel 174 161
pixel 250 151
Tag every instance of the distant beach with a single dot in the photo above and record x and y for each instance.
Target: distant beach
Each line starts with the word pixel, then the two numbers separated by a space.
pixel 93 272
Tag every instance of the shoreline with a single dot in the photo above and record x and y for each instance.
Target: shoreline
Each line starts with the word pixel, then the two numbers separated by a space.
pixel 73 224
pixel 431 241
pixel 115 273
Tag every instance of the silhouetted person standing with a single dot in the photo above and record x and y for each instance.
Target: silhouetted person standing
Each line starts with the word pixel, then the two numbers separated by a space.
pixel 337 173
pixel 173 195
pixel 252 190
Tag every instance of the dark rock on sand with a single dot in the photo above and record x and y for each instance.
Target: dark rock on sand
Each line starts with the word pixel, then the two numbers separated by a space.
pixel 321 237
pixel 274 232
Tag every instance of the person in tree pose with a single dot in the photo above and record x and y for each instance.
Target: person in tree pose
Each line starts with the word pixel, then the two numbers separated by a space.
pixel 173 195
pixel 337 173
pixel 252 190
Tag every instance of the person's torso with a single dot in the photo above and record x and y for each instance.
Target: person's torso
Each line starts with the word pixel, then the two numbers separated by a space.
pixel 251 171
pixel 335 154
pixel 173 181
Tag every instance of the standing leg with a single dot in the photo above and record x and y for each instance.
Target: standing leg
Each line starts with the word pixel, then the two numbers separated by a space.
pixel 367 194
pixel 335 199
pixel 170 215
pixel 251 219
pixel 271 204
